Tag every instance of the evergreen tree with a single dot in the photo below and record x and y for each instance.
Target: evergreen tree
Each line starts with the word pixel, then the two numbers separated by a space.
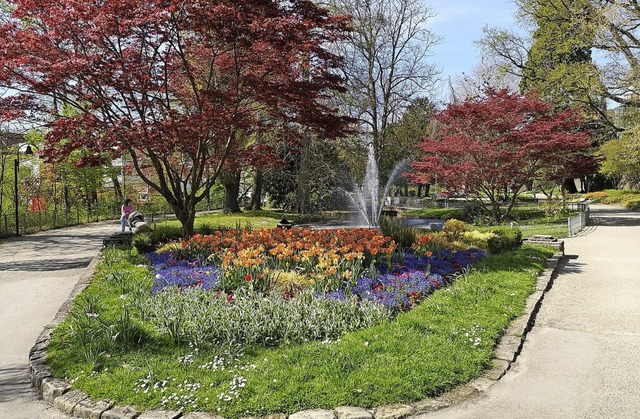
pixel 559 63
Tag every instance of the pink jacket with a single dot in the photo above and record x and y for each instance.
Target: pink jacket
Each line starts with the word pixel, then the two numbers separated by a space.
pixel 126 210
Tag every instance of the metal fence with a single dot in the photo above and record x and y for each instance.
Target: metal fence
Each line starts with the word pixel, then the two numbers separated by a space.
pixel 576 224
pixel 34 221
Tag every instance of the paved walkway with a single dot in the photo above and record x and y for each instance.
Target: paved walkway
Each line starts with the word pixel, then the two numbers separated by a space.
pixel 37 273
pixel 582 358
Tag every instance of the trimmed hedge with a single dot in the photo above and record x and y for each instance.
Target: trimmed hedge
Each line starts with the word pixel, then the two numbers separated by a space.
pixel 506 238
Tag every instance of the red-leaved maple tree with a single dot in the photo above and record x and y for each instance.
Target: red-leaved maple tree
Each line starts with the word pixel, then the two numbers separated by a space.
pixel 491 146
pixel 173 84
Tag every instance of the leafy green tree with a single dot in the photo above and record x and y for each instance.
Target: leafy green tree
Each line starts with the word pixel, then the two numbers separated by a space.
pixel 559 63
pixel 404 136
pixel 621 155
pixel 622 159
pixel 556 60
pixel 309 179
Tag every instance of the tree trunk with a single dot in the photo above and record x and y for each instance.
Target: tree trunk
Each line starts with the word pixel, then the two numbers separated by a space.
pixel 569 186
pixel 231 183
pixel 256 196
pixel 495 209
pixel 117 189
pixel 187 220
pixel 303 188
pixel 426 187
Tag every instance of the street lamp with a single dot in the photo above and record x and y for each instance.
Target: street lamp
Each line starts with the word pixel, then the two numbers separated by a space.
pixel 16 168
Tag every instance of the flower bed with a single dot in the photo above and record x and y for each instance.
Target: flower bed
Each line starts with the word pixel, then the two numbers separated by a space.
pixel 110 348
pixel 337 264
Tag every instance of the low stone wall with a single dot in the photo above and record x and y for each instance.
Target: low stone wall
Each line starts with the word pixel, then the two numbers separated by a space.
pixel 61 395
pixel 546 241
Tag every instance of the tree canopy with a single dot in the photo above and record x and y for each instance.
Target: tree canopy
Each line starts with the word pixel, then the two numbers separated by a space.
pixel 387 67
pixel 491 146
pixel 176 85
pixel 559 62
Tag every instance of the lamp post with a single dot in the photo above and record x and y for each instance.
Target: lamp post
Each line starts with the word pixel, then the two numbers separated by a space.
pixel 16 169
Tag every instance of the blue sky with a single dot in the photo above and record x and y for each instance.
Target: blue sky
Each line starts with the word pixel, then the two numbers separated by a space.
pixel 460 23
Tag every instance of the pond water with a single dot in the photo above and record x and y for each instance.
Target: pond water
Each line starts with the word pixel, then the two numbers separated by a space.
pixel 423 223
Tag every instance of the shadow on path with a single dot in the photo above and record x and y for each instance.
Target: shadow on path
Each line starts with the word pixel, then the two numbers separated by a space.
pixel 569 265
pixel 616 221
pixel 35 265
pixel 14 383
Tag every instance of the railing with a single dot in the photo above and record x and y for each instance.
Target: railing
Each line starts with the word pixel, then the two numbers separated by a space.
pixel 34 221
pixel 576 224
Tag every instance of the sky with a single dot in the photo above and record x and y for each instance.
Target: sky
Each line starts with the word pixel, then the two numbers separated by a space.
pixel 460 23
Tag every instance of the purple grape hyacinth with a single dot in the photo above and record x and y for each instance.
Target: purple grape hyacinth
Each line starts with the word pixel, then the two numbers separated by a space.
pixel 168 271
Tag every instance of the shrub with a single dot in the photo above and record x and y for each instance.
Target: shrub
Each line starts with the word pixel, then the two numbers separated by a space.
pixel 473 212
pixel 628 198
pixel 477 238
pixel 631 201
pixel 505 238
pixel 144 242
pixel 165 233
pixel 599 196
pixel 454 229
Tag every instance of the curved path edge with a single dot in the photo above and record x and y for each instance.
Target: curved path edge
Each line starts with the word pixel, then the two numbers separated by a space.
pixel 60 394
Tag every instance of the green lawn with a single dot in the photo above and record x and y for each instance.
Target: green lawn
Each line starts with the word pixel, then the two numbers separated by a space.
pixel 627 198
pixel 530 218
pixel 107 349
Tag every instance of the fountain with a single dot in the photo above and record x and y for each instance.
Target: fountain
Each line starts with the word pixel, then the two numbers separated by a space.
pixel 366 197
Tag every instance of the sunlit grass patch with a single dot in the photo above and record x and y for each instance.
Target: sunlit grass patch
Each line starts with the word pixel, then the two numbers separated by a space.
pixel 445 340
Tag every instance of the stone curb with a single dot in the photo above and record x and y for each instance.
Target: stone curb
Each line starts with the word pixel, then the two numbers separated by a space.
pixel 60 394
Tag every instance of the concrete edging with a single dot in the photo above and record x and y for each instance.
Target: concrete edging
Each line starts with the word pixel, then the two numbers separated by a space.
pixel 60 394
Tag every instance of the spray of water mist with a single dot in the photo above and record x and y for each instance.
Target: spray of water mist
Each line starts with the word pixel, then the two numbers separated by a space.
pixel 366 197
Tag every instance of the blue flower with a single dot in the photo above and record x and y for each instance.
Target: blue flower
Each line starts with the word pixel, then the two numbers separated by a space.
pixel 398 288
pixel 168 271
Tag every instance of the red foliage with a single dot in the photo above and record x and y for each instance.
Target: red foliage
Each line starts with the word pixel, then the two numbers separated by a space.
pixel 91 160
pixel 502 141
pixel 160 78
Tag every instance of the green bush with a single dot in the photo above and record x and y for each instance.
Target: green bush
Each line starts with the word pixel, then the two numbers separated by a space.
pixel 165 233
pixel 144 242
pixel 504 239
pixel 454 229
pixel 474 213
pixel 630 199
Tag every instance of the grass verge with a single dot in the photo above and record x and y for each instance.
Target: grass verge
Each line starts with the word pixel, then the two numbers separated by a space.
pixel 627 198
pixel 447 340
pixel 255 219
